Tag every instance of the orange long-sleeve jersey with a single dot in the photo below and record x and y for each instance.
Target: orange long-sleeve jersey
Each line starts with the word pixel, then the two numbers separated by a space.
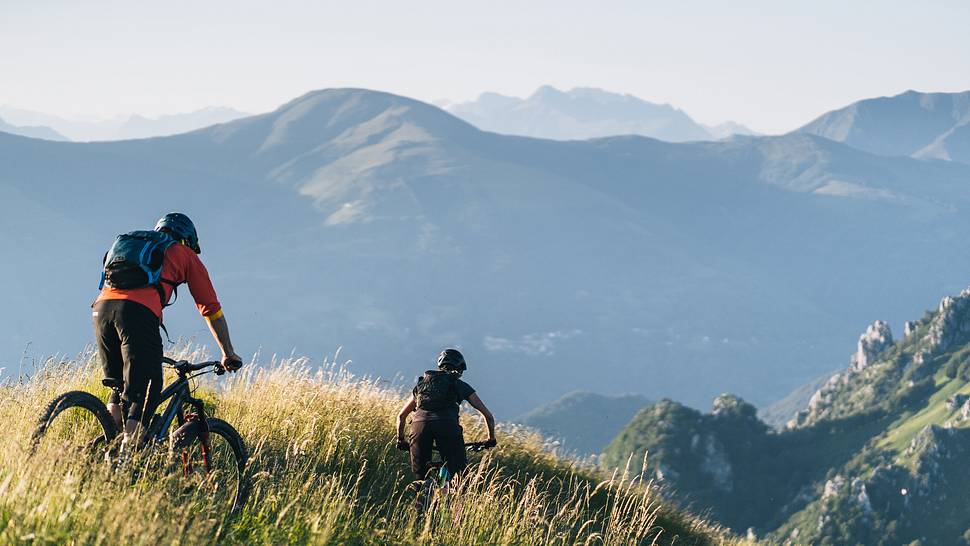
pixel 181 265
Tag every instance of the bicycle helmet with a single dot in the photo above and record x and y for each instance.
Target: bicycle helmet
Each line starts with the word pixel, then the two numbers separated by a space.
pixel 181 228
pixel 451 360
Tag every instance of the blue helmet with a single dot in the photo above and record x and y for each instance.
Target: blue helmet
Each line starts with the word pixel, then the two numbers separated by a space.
pixel 181 228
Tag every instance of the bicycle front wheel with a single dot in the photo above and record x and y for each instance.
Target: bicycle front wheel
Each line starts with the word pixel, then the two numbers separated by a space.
pixel 216 465
pixel 74 421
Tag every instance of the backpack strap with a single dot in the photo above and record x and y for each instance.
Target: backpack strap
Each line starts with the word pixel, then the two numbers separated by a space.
pixel 164 329
pixel 104 274
pixel 454 387
pixel 165 302
pixel 161 292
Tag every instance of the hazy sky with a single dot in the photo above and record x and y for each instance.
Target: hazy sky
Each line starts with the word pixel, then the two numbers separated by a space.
pixel 771 64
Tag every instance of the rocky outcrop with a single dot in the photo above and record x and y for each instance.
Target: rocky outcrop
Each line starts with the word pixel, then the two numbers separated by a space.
pixel 961 404
pixel 877 338
pixel 951 325
pixel 909 328
pixel 820 401
pixel 729 405
pixel 855 491
pixel 832 487
pixel 860 495
pixel 872 343
pixel 956 401
pixel 931 449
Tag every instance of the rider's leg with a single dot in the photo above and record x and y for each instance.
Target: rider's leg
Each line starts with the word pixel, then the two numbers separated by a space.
pixel 114 408
pixel 451 445
pixel 421 442
pixel 109 353
pixel 141 347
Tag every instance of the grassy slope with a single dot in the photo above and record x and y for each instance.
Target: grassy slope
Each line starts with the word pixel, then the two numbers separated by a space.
pixel 323 470
pixel 902 432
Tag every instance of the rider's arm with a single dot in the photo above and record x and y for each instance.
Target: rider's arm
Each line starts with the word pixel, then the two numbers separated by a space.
pixel 477 403
pixel 220 331
pixel 402 417
pixel 200 286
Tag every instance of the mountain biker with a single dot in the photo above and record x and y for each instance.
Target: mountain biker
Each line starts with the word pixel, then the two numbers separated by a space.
pixel 435 402
pixel 127 322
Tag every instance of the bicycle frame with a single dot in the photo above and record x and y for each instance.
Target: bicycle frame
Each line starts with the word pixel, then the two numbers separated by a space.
pixel 180 396
pixel 438 477
pixel 439 467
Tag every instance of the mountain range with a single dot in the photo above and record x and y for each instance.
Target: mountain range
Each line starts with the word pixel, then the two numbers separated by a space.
pixel 583 113
pixel 32 131
pixel 387 226
pixel 121 128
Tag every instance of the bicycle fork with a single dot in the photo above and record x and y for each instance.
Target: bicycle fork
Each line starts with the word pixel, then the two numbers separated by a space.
pixel 197 416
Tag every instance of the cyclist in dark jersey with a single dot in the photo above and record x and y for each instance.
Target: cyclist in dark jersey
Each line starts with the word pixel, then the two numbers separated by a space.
pixel 435 420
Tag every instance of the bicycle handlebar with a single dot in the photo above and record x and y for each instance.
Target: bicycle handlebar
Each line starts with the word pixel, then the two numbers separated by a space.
pixel 472 446
pixel 183 367
pixel 478 446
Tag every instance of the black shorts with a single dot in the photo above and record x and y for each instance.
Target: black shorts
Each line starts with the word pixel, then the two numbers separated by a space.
pixel 447 436
pixel 130 349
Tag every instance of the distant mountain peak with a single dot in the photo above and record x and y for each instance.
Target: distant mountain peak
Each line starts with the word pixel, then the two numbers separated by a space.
pixel 124 127
pixel 912 123
pixel 32 131
pixel 348 106
pixel 546 91
pixel 582 113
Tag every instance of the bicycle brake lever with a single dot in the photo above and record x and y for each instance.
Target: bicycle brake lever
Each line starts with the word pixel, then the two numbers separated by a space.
pixel 220 370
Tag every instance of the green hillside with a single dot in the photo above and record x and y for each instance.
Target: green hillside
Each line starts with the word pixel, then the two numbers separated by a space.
pixel 879 456
pixel 323 470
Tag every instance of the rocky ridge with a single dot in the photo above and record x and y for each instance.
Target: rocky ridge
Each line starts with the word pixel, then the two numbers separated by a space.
pixel 924 339
pixel 878 456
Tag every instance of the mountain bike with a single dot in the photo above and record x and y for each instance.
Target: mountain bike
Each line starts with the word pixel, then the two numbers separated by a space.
pixel 437 480
pixel 213 454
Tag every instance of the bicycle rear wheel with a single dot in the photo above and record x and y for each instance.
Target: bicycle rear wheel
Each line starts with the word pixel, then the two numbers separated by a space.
pixel 422 499
pixel 216 467
pixel 74 421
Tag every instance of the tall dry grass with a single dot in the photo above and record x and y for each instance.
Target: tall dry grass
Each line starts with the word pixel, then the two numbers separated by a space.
pixel 323 470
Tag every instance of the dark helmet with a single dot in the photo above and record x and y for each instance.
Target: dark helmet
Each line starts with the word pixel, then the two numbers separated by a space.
pixel 181 228
pixel 451 360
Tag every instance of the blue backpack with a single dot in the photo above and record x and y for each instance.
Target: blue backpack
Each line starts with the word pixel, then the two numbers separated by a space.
pixel 135 261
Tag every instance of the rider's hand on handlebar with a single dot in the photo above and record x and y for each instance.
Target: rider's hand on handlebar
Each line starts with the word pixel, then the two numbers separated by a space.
pixel 231 362
pixel 491 442
pixel 403 446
